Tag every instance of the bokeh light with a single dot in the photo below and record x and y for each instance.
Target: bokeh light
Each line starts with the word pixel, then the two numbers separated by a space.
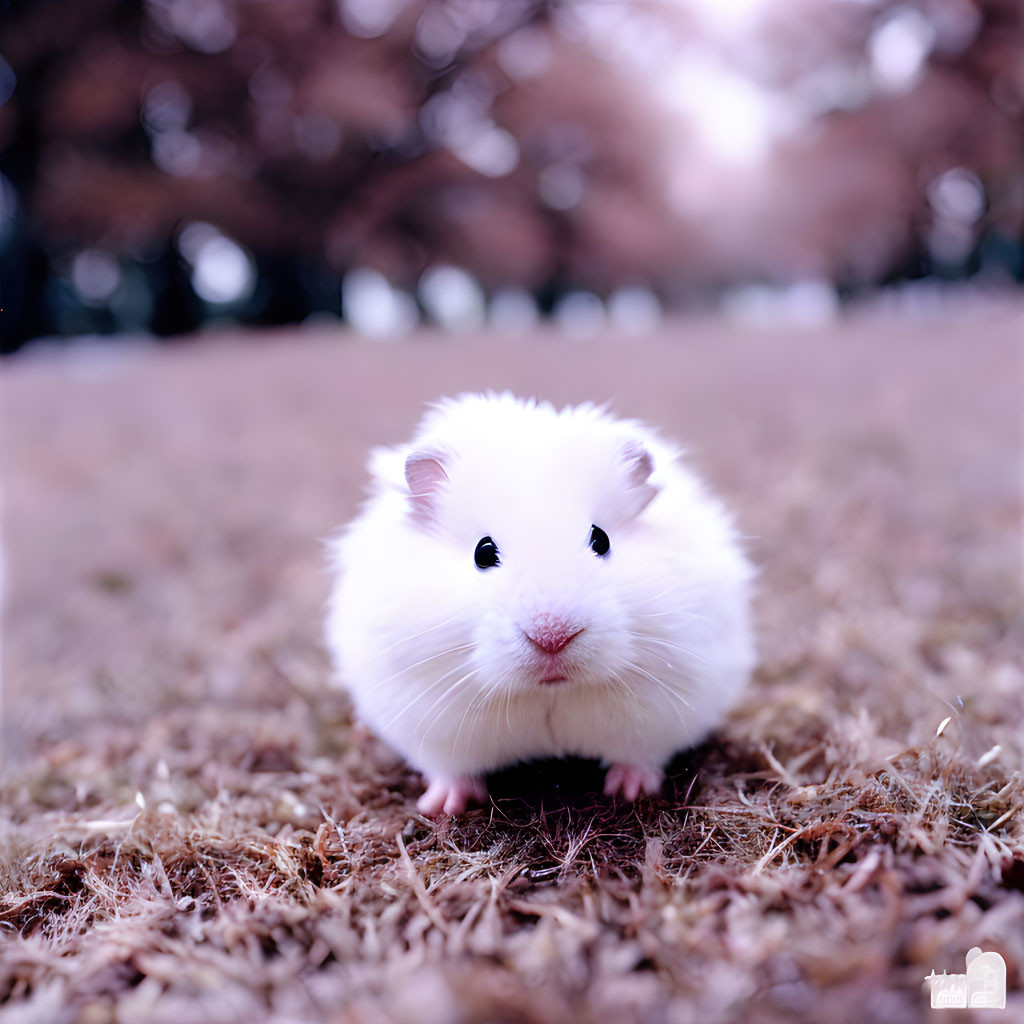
pixel 374 307
pixel 223 273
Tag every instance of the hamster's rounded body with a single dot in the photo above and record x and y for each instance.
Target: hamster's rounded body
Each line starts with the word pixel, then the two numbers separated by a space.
pixel 524 582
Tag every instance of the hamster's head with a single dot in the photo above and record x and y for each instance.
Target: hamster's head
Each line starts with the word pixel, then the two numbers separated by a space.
pixel 531 525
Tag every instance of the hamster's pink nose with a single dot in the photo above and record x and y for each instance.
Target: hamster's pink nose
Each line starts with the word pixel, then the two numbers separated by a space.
pixel 551 634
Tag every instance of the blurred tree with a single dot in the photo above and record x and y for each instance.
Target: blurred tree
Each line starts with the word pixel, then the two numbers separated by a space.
pixel 682 144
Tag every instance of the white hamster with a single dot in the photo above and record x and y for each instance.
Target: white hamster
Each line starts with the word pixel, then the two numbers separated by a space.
pixel 525 582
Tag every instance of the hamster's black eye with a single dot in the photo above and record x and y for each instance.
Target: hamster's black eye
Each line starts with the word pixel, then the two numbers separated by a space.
pixel 486 554
pixel 599 542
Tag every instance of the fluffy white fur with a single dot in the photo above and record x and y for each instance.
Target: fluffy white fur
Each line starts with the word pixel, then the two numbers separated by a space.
pixel 434 650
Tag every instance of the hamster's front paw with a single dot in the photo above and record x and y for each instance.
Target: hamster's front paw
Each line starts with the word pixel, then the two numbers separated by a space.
pixel 451 796
pixel 631 779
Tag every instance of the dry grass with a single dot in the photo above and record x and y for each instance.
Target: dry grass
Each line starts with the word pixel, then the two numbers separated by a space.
pixel 193 829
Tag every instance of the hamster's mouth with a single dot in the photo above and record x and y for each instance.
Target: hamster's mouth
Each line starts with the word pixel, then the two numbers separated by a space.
pixel 554 679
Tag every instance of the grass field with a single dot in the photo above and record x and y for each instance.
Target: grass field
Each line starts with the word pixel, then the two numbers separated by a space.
pixel 191 828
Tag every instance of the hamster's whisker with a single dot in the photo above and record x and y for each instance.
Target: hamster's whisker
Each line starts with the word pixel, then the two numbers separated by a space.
pixel 664 593
pixel 619 679
pixel 684 719
pixel 684 587
pixel 483 701
pixel 405 708
pixel 480 699
pixel 668 689
pixel 649 711
pixel 677 612
pixel 431 716
pixel 423 661
pixel 445 698
pixel 508 710
pixel 689 652
pixel 462 722
pixel 414 636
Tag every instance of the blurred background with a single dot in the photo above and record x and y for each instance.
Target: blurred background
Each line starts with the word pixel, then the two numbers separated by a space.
pixel 171 164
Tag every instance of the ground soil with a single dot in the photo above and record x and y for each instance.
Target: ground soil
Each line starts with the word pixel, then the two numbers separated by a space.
pixel 192 828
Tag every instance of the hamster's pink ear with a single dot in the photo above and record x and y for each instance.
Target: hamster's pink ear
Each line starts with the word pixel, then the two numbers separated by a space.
pixel 426 477
pixel 638 466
